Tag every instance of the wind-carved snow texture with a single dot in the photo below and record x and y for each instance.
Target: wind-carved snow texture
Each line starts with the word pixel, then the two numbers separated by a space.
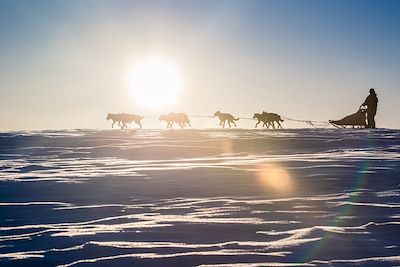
pixel 200 198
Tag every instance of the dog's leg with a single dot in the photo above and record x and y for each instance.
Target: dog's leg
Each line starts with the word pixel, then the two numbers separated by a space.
pixel 112 125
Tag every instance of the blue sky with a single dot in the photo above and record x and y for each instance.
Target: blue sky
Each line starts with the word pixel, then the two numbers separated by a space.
pixel 63 63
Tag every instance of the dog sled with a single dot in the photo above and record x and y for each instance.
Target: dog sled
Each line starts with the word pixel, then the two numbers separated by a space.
pixel 357 119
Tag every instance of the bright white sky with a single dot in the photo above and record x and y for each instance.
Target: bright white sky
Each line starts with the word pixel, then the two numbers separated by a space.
pixel 64 64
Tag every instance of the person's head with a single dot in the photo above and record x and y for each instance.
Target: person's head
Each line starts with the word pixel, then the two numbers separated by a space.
pixel 372 91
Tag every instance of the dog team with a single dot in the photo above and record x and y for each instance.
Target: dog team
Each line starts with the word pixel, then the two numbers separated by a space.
pixel 182 120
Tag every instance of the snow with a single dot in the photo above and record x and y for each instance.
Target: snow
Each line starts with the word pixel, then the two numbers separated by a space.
pixel 301 197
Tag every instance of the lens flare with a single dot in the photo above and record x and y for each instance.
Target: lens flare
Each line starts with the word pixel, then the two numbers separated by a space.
pixel 227 147
pixel 275 177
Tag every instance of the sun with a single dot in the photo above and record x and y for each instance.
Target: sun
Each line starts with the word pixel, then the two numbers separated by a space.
pixel 155 83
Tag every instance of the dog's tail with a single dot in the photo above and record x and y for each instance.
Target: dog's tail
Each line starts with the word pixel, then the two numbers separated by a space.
pixel 236 119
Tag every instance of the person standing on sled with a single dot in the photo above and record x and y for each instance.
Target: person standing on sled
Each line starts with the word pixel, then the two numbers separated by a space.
pixel 372 103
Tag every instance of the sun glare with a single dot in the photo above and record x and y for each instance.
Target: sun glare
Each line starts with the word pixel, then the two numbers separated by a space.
pixel 155 83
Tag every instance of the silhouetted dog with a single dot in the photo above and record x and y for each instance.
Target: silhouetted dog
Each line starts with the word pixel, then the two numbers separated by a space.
pixel 124 118
pixel 180 118
pixel 225 117
pixel 268 119
pixel 262 118
pixel 273 117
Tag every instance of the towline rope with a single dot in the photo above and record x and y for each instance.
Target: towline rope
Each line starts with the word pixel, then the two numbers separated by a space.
pixel 306 121
pixel 201 116
pixel 315 124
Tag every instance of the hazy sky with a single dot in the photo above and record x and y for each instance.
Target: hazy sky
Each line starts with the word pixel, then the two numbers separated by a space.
pixel 63 64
